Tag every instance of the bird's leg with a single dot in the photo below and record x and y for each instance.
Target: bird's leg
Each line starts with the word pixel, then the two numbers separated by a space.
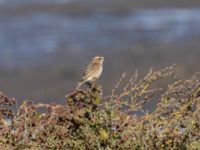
pixel 89 83
pixel 94 83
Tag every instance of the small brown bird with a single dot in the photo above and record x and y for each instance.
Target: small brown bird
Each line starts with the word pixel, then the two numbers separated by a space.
pixel 93 71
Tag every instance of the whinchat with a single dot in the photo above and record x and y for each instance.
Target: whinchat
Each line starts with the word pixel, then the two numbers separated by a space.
pixel 93 71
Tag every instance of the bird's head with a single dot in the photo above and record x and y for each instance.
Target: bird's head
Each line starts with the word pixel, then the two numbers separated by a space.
pixel 99 59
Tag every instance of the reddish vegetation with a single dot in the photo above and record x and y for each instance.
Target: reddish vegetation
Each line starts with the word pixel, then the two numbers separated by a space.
pixel 89 121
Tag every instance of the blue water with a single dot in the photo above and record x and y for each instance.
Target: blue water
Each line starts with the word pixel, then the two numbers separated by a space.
pixel 28 36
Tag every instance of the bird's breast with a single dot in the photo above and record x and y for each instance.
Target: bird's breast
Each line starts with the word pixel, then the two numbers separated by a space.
pixel 98 74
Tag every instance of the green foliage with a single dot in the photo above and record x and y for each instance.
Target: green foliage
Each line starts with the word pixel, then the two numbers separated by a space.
pixel 89 121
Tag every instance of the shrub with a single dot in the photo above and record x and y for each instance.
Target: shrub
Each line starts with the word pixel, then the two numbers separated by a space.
pixel 89 121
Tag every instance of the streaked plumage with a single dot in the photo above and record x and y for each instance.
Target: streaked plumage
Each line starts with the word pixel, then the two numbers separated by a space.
pixel 93 71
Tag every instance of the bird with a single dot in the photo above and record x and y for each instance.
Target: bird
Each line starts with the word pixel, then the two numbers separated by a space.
pixel 93 71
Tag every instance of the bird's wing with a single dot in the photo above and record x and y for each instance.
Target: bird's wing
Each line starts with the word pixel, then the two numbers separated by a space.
pixel 87 72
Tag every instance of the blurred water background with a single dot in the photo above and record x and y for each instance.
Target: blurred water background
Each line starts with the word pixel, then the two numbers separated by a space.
pixel 45 45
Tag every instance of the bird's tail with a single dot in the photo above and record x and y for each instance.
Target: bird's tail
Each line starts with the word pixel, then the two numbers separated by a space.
pixel 78 86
